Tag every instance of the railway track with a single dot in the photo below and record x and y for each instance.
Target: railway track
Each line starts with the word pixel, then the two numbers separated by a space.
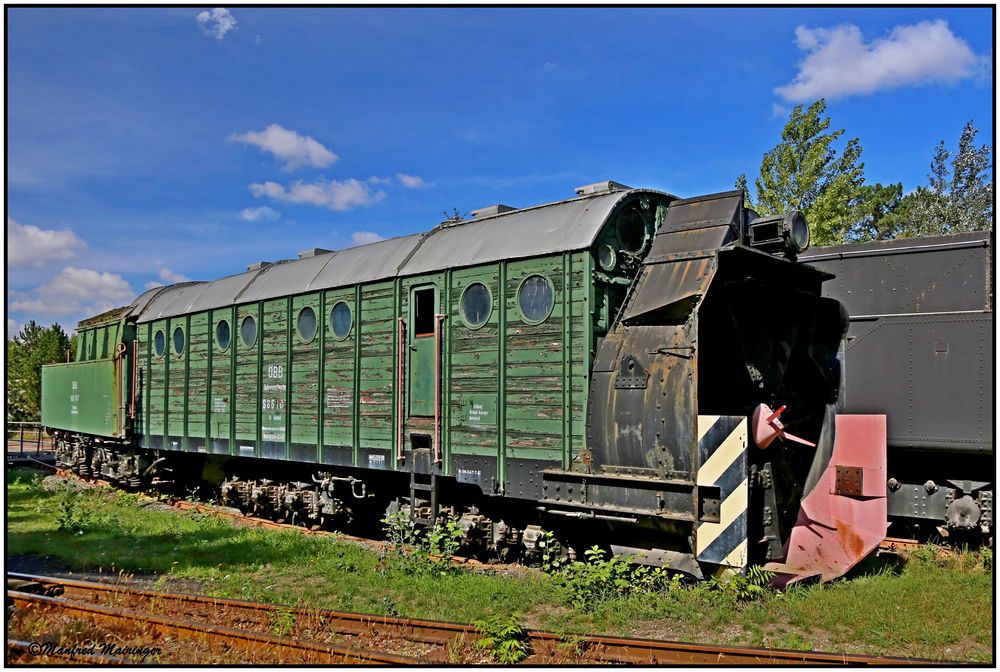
pixel 252 646
pixel 424 642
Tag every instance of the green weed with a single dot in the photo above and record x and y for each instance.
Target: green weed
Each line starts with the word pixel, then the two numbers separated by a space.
pixel 744 587
pixel 414 551
pixel 282 622
pixel 504 638
pixel 599 579
pixel 71 510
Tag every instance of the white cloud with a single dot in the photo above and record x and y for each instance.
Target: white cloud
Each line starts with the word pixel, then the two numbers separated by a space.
pixel 77 291
pixel 294 149
pixel 258 214
pixel 374 179
pixel 12 327
pixel 840 62
pixel 364 238
pixel 29 245
pixel 336 195
pixel 412 181
pixel 216 22
pixel 169 276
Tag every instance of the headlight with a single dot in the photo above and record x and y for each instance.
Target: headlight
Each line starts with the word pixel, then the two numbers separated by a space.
pixel 788 234
pixel 796 232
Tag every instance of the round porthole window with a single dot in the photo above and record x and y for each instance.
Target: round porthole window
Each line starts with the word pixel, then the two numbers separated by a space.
pixel 248 331
pixel 307 324
pixel 477 304
pixel 535 298
pixel 606 257
pixel 178 340
pixel 222 334
pixel 340 320
pixel 159 343
pixel 631 229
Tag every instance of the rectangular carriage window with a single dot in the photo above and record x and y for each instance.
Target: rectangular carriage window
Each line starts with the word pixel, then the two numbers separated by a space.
pixel 423 312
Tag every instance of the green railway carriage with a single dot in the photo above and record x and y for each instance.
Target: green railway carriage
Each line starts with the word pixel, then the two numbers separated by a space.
pixel 593 360
pixel 472 343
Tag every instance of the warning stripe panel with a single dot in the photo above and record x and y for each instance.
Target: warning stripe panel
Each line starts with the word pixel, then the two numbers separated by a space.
pixel 722 464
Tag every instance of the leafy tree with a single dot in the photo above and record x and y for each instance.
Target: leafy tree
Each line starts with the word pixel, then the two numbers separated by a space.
pixel 805 172
pixel 958 198
pixel 26 353
pixel 879 215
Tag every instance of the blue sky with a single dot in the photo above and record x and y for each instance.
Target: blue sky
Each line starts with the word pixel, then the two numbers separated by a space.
pixel 156 145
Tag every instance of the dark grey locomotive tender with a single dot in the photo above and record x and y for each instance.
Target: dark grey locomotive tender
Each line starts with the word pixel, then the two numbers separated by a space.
pixel 920 350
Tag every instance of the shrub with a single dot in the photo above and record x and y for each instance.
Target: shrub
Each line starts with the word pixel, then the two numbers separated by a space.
pixel 600 579
pixel 416 552
pixel 71 514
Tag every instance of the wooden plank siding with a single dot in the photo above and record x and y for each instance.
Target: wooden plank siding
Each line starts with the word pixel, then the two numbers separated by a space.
pixel 157 392
pixel 376 324
pixel 339 377
pixel 220 410
pixel 247 381
pixel 473 365
pixel 303 376
pixel 274 379
pixel 510 390
pixel 197 354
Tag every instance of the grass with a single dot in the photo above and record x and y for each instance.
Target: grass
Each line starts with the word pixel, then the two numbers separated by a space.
pixel 929 607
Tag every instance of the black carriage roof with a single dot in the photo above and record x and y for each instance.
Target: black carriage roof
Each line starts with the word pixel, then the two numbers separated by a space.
pixel 552 228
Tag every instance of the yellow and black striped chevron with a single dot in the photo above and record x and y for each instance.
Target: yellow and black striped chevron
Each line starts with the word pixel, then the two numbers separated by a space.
pixel 722 464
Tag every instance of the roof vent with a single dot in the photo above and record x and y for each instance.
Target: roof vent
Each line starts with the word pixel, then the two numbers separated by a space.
pixel 312 252
pixel 600 188
pixel 259 265
pixel 492 210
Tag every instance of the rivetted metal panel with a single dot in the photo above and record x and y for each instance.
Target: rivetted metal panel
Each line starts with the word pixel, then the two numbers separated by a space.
pixel 720 209
pixel 671 290
pixel 545 229
pixel 910 275
pixel 930 374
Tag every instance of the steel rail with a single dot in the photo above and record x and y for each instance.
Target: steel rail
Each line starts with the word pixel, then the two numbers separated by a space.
pixel 429 632
pixel 603 648
pixel 243 639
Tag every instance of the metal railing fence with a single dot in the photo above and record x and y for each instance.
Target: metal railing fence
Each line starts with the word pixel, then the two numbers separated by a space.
pixel 27 435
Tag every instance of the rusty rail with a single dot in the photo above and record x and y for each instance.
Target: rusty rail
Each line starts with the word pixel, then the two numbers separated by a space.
pixel 244 640
pixel 599 648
